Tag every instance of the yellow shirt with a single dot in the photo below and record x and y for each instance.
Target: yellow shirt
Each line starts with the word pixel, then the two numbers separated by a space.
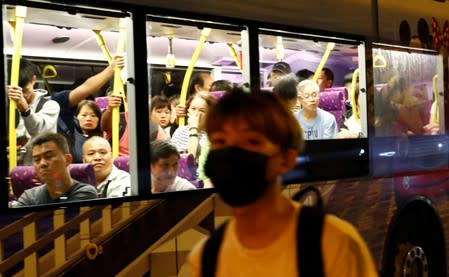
pixel 344 253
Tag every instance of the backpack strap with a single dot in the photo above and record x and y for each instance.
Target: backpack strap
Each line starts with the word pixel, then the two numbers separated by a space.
pixel 41 103
pixel 210 252
pixel 309 230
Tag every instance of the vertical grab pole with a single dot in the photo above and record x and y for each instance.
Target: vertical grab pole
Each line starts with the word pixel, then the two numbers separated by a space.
pixel 107 54
pixel 329 48
pixel 435 116
pixel 235 56
pixel 118 86
pixel 21 12
pixel 355 110
pixel 185 83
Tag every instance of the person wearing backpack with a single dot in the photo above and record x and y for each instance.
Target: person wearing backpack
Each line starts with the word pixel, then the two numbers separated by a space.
pixel 255 139
pixel 36 112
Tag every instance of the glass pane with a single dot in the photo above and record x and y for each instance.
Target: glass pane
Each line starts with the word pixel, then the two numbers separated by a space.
pixel 323 105
pixel 190 67
pixel 62 86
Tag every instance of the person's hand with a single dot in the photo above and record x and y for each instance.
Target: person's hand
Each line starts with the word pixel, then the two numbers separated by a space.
pixel 114 101
pixel 431 129
pixel 118 61
pixel 15 93
pixel 345 133
pixel 194 119
pixel 180 110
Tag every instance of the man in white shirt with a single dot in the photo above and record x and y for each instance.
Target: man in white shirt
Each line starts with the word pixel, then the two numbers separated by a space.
pixel 110 181
pixel 164 168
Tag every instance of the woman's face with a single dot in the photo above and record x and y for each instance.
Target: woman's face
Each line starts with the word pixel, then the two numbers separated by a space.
pixel 198 108
pixel 87 118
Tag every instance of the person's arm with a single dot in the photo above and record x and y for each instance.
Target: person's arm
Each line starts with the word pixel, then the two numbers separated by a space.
pixel 330 127
pixel 95 82
pixel 44 120
pixel 194 134
pixel 106 118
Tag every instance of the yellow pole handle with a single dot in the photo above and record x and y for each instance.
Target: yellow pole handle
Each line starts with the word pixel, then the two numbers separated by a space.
pixel 108 56
pixel 21 12
pixel 355 110
pixel 118 86
pixel 185 84
pixel 436 117
pixel 329 48
pixel 235 56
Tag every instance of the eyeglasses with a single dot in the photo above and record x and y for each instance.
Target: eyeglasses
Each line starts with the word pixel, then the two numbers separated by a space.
pixel 312 95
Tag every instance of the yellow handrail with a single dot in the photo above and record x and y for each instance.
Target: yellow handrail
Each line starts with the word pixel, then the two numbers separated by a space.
pixel 355 110
pixel 329 48
pixel 185 84
pixel 21 12
pixel 235 56
pixel 108 56
pixel 435 117
pixel 118 86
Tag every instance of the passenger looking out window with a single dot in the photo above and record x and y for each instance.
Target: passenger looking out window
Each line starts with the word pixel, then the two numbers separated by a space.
pixel 110 181
pixel 315 122
pixel 164 169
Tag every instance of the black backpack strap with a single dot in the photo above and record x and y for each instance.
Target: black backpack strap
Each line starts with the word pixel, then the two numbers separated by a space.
pixel 310 227
pixel 41 103
pixel 210 252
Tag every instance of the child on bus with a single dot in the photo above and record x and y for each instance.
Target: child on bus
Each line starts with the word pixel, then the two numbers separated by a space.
pixel 255 139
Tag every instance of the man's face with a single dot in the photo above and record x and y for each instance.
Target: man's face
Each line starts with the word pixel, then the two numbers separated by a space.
pixel 163 173
pixel 207 79
pixel 49 162
pixel 323 82
pixel 309 98
pixel 28 91
pixel 98 153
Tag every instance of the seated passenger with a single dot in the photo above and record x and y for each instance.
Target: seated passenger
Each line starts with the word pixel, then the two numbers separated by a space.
pixel 36 112
pixel 278 70
pixel 352 126
pixel 88 116
pixel 315 122
pixel 51 160
pixel 191 137
pixel 109 180
pixel 164 169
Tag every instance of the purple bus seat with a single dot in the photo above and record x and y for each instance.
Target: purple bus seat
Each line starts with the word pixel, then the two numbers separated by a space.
pixel 24 177
pixel 102 102
pixel 339 89
pixel 334 102
pixel 187 167
pixel 122 162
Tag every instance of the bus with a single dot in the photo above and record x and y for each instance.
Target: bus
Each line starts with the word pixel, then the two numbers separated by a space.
pixel 390 179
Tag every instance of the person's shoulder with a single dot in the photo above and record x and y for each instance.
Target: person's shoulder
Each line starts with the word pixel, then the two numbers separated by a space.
pixel 32 196
pixel 80 186
pixel 183 184
pixel 193 264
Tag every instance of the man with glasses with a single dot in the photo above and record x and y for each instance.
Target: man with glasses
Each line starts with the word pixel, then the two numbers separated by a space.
pixel 315 122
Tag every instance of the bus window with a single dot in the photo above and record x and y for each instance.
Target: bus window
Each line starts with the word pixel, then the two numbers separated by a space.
pixel 287 59
pixel 408 111
pixel 60 63
pixel 191 63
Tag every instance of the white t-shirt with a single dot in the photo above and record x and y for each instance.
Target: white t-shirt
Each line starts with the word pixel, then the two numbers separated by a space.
pixel 180 184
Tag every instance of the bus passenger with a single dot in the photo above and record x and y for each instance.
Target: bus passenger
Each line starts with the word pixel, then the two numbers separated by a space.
pixel 109 180
pixel 51 160
pixel 87 124
pixel 164 169
pixel 69 99
pixel 254 141
pixel 200 81
pixel 315 122
pixel 160 112
pixel 191 137
pixel 326 78
pixel 36 112
pixel 222 85
pixel 304 74
pixel 285 88
pixel 156 132
pixel 279 69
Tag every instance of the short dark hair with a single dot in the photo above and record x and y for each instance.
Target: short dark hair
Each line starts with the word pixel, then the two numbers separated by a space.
pixel 197 79
pixel 329 74
pixel 26 73
pixel 221 85
pixel 160 101
pixel 285 87
pixel 56 138
pixel 282 67
pixel 161 149
pixel 304 74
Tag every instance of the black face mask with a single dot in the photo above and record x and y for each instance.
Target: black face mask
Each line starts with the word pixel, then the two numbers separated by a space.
pixel 238 175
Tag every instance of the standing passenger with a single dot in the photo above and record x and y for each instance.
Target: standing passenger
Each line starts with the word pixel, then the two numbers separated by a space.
pixel 254 141
pixel 326 79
